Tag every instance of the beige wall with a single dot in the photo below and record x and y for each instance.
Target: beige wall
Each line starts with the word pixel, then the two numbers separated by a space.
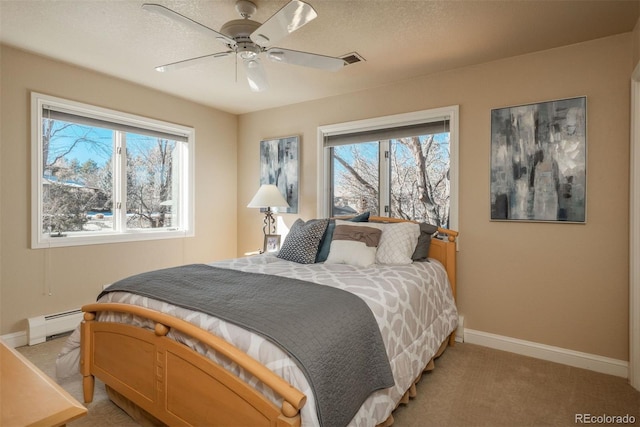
pixel 34 282
pixel 564 285
pixel 636 42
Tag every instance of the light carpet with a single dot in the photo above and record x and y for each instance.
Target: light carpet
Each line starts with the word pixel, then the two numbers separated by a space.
pixel 470 386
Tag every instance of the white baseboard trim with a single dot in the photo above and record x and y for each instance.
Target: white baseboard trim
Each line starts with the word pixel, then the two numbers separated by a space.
pixel 15 339
pixel 593 362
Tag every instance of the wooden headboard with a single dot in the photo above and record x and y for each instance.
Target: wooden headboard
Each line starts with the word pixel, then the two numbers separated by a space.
pixel 442 250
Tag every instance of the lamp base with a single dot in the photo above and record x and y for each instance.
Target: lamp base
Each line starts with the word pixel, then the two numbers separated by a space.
pixel 269 223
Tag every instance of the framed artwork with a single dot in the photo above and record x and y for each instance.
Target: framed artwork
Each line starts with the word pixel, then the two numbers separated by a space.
pixel 539 162
pixel 279 165
pixel 271 243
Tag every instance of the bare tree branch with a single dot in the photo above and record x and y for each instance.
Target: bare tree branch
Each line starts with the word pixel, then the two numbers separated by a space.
pixel 355 174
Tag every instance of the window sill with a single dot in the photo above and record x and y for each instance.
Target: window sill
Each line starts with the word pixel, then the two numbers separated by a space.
pixel 132 236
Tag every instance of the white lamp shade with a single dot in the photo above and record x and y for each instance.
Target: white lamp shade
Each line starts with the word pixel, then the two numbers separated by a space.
pixel 268 196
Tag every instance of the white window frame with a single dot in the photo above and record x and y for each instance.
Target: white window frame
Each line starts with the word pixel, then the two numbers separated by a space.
pixel 324 160
pixel 186 167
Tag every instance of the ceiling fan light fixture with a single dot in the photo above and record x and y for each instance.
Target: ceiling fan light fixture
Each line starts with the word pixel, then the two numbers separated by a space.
pixel 248 50
pixel 248 55
pixel 256 76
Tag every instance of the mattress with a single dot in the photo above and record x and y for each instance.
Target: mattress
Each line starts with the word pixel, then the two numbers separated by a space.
pixel 412 304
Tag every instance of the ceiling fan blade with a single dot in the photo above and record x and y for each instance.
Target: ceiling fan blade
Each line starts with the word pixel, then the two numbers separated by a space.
pixel 256 75
pixel 193 61
pixel 175 16
pixel 305 59
pixel 292 16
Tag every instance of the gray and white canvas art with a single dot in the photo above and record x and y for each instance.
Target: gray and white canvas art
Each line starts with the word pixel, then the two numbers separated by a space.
pixel 538 162
pixel 279 159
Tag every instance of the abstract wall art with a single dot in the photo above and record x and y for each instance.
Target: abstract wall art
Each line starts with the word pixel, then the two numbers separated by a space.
pixel 279 165
pixel 538 162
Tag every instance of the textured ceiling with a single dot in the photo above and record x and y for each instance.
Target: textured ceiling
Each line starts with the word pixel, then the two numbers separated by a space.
pixel 399 40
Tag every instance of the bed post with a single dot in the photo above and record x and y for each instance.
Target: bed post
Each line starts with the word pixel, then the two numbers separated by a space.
pixel 88 380
pixel 450 265
pixel 451 271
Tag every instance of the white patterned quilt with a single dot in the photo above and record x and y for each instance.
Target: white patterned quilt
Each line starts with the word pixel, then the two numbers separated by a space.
pixel 412 304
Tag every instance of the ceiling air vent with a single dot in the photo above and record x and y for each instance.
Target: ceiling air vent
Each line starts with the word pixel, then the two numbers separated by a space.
pixel 352 58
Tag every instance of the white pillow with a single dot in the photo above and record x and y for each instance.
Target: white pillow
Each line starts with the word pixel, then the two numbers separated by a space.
pixel 397 243
pixel 354 243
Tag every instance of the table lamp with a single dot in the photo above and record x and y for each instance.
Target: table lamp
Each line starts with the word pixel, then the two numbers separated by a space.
pixel 267 197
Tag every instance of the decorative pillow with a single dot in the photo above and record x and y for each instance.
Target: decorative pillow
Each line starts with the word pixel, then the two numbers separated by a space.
pixel 354 243
pixel 325 243
pixel 301 244
pixel 424 241
pixel 397 243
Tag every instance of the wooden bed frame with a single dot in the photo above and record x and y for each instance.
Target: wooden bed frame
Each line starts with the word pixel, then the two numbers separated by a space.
pixel 168 382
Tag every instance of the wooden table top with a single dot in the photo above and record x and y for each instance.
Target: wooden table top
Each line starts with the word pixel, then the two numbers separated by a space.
pixel 30 398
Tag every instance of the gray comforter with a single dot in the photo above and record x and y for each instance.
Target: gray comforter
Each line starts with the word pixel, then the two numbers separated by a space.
pixel 331 333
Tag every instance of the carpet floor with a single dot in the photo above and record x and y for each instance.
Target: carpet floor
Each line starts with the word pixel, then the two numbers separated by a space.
pixel 470 386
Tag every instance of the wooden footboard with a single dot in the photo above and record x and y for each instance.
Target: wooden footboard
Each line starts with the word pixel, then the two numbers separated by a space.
pixel 173 383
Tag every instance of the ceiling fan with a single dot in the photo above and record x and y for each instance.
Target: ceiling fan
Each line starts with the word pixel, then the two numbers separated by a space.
pixel 248 40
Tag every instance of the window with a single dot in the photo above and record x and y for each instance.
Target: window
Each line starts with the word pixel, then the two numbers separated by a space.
pixel 102 176
pixel 402 166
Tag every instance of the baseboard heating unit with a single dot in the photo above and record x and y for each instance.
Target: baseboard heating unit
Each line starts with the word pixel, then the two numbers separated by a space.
pixel 42 327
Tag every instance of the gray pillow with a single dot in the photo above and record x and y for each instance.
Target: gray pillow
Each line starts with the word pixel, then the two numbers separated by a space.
pixel 325 243
pixel 301 244
pixel 424 241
